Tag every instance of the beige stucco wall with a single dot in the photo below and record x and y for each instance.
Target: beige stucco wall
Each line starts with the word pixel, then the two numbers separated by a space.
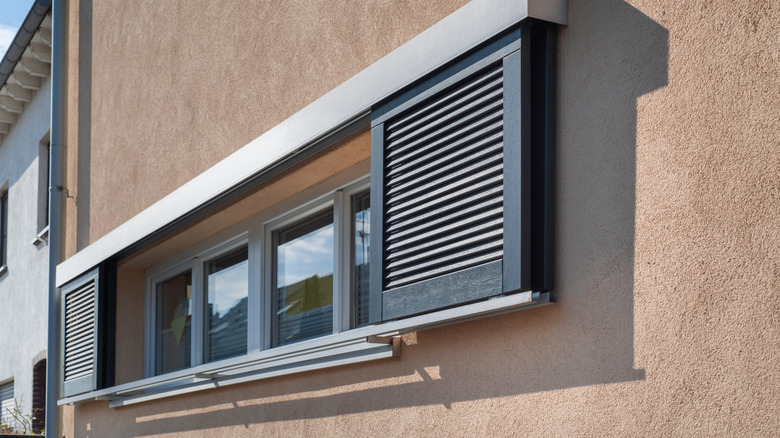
pixel 668 237
pixel 177 86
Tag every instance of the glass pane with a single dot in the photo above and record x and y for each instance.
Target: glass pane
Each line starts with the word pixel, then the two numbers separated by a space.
pixel 174 320
pixel 361 220
pixel 226 314
pixel 304 280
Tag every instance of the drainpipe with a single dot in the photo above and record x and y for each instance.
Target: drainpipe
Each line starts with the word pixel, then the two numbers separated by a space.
pixel 56 212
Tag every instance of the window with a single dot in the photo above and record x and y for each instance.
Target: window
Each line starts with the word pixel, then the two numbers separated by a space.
pixel 361 244
pixel 39 396
pixel 227 286
pixel 452 171
pixel 7 403
pixel 43 188
pixel 314 281
pixel 303 279
pixel 3 229
pixel 174 323
pixel 199 308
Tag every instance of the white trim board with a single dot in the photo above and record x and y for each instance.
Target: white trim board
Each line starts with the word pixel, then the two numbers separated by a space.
pixel 454 35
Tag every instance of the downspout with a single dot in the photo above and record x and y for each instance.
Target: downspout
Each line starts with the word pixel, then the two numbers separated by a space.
pixel 56 212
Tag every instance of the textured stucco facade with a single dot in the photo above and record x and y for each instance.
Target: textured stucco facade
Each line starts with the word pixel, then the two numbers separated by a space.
pixel 23 286
pixel 667 234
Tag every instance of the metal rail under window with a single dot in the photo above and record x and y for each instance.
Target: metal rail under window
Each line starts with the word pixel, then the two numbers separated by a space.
pixel 354 346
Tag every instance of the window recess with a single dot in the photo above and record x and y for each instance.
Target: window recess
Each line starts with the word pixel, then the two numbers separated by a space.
pixel 460 213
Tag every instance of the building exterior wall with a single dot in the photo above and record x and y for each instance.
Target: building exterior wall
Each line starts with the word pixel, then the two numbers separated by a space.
pixel 667 236
pixel 23 288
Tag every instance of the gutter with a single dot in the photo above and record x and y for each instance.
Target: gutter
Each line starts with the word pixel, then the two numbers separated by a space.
pixel 22 39
pixel 56 209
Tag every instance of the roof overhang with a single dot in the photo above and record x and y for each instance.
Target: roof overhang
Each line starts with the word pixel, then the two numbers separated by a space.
pixel 26 65
pixel 454 35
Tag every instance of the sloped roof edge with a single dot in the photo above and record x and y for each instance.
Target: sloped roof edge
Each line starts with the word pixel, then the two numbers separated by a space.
pixel 15 50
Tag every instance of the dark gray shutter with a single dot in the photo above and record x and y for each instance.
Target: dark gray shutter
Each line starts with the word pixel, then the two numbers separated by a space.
pixel 451 184
pixel 87 347
pixel 79 334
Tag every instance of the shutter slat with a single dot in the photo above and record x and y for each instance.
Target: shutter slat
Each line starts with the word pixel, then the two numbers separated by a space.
pixel 469 104
pixel 81 298
pixel 74 348
pixel 474 184
pixel 79 359
pixel 443 183
pixel 489 137
pixel 485 238
pixel 449 147
pixel 424 218
pixel 473 122
pixel 465 210
pixel 456 172
pixel 443 99
pixel 80 327
pixel 421 244
pixel 76 309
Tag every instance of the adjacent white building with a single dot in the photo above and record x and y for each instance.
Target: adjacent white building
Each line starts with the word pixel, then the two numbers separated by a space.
pixel 24 157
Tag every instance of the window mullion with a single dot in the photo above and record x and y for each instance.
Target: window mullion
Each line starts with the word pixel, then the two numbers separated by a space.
pixel 347 263
pixel 256 319
pixel 198 328
pixel 267 295
pixel 338 263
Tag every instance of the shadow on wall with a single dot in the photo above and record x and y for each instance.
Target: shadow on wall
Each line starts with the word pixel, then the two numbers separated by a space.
pixel 609 56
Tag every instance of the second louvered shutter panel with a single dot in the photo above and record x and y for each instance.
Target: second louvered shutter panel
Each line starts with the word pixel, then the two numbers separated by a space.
pixel 452 184
pixel 79 336
pixel 444 183
pixel 438 186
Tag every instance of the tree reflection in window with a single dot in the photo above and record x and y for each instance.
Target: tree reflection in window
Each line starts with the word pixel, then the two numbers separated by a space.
pixel 174 320
pixel 226 313
pixel 303 279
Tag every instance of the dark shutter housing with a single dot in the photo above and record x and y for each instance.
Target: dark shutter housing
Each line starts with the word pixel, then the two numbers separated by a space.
pixel 461 165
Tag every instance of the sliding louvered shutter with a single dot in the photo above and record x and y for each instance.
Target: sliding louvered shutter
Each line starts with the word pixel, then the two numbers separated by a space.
pixel 79 334
pixel 450 172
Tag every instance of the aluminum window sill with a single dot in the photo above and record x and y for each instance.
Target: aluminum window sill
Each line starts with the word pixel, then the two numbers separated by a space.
pixel 42 237
pixel 354 346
